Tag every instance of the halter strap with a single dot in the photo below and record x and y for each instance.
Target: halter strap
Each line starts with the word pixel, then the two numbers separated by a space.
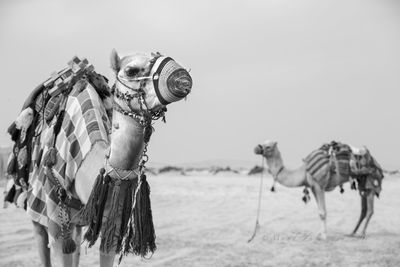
pixel 278 172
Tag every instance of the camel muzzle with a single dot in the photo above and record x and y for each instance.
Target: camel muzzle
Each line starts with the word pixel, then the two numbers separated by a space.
pixel 171 82
pixel 258 150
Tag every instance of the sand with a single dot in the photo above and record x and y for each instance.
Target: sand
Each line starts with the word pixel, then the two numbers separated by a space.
pixel 207 220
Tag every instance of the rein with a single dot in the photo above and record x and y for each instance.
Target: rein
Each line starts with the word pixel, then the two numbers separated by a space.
pixel 257 226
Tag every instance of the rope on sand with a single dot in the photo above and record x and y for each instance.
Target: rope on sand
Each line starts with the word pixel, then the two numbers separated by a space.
pixel 257 226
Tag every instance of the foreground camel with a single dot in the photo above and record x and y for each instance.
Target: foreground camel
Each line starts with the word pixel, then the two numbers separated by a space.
pixel 319 185
pixel 135 99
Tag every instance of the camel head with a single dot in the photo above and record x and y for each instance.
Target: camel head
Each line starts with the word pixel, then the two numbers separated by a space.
pixel 148 81
pixel 268 149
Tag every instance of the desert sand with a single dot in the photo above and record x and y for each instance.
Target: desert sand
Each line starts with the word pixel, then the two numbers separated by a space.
pixel 207 220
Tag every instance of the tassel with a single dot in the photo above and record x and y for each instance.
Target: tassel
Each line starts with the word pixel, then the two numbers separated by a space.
pixel 89 210
pixel 148 130
pixel 341 189
pixel 273 187
pixel 12 165
pixel 98 201
pixel 107 240
pixel 50 158
pixel 23 121
pixel 18 191
pixel 13 131
pixel 21 199
pixel 68 246
pixel 306 196
pixel 144 234
pixel 9 197
pixel 353 185
pixel 126 212
pixel 22 157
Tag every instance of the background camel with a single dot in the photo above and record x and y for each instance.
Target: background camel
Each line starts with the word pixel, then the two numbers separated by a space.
pixel 324 180
pixel 145 84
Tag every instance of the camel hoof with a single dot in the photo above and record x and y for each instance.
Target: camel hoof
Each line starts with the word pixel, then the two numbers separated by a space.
pixel 363 236
pixel 351 235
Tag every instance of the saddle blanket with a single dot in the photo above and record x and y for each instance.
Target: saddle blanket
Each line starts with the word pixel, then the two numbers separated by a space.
pixel 85 123
pixel 322 161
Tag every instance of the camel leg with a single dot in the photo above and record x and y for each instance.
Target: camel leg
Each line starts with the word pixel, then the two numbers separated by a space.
pixel 66 259
pixel 362 215
pixel 370 211
pixel 106 260
pixel 319 195
pixel 42 240
pixel 78 239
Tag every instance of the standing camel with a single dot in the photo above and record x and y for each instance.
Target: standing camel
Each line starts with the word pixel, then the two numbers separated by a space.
pixel 324 180
pixel 109 178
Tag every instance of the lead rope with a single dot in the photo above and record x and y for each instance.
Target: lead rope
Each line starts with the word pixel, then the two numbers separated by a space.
pixel 257 226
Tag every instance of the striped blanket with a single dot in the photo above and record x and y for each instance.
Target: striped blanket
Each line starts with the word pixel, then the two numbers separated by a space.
pixel 329 158
pixel 85 123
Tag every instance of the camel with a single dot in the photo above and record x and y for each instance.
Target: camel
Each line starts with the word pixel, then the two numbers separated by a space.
pixel 319 185
pixel 135 98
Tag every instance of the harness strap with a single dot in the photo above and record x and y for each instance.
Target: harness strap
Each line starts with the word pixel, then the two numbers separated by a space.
pixel 68 200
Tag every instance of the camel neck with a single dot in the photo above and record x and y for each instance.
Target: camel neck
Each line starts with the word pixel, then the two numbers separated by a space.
pixel 126 142
pixel 284 176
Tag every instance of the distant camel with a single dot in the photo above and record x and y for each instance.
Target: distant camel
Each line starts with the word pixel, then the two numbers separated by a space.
pixel 324 181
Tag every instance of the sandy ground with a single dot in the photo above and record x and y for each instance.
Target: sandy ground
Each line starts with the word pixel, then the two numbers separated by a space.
pixel 206 221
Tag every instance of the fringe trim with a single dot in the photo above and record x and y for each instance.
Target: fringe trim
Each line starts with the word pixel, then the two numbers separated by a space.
pixel 93 211
pixel 124 228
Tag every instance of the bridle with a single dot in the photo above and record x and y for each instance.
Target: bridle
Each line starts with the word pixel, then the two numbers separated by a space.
pixel 275 176
pixel 144 116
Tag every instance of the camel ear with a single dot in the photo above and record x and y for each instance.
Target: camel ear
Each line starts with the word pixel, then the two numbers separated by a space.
pixel 115 61
pixel 275 144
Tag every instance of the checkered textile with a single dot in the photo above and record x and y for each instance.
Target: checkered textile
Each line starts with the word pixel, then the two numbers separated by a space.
pixel 85 123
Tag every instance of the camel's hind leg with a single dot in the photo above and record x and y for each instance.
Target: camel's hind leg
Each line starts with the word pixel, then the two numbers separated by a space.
pixel 362 215
pixel 370 211
pixel 319 195
pixel 42 240
pixel 77 236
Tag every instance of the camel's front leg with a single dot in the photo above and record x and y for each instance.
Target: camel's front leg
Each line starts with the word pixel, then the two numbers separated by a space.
pixel 65 259
pixel 362 215
pixel 319 195
pixel 42 240
pixel 107 260
pixel 370 211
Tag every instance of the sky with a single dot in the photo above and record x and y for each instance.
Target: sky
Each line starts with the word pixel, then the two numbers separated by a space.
pixel 298 72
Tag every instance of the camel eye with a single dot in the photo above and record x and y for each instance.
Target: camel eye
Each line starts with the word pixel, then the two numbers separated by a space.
pixel 131 71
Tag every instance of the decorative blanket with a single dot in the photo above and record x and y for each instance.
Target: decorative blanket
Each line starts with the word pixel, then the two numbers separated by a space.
pixel 85 122
pixel 328 158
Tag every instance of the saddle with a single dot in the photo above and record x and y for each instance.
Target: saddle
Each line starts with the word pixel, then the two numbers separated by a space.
pixel 366 170
pixel 333 157
pixel 45 102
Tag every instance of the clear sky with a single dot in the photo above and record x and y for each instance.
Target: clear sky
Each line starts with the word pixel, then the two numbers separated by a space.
pixel 299 72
